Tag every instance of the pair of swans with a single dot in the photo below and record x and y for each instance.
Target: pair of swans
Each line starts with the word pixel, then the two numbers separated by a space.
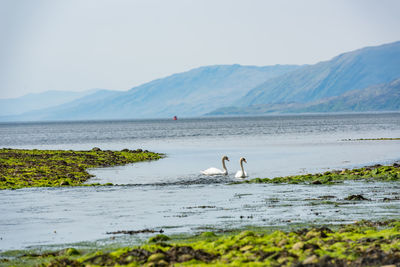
pixel 215 171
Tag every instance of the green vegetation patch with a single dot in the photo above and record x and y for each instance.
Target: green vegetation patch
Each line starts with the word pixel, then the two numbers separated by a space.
pixel 370 173
pixel 47 168
pixel 361 244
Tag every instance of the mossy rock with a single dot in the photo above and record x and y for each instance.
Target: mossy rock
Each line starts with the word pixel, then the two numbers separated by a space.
pixel 246 234
pixel 158 238
pixel 208 234
pixel 156 257
pixel 72 252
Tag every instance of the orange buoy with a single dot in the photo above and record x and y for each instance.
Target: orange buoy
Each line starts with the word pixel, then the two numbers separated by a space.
pixel 175 118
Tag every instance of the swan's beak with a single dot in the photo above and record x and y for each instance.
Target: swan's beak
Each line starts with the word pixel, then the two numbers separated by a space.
pixel 227 159
pixel 244 160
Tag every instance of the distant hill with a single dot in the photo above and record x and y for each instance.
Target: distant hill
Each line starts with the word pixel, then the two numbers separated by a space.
pixel 383 97
pixel 30 102
pixel 361 80
pixel 64 111
pixel 349 71
pixel 187 94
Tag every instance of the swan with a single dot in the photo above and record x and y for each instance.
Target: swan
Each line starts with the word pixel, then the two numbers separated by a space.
pixel 241 173
pixel 215 171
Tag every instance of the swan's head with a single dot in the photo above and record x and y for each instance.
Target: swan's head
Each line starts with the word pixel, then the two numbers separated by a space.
pixel 243 159
pixel 225 158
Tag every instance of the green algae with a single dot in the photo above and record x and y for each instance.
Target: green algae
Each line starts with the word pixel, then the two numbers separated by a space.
pixel 159 238
pixel 376 173
pixel 364 243
pixel 48 168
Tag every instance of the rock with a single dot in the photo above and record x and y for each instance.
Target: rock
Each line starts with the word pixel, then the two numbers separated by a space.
pixel 72 251
pixel 310 260
pixel 355 197
pixel 162 263
pixel 312 234
pixel 185 257
pixel 246 248
pixel 317 182
pixel 64 183
pixel 282 260
pixel 298 246
pixel 159 238
pixel 246 233
pixel 129 259
pixel 156 257
pixel 282 243
pixel 96 149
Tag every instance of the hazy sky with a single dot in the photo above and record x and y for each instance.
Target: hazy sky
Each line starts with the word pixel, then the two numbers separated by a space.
pixel 117 44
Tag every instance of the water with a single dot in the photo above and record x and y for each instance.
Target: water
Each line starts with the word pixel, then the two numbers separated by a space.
pixel 172 194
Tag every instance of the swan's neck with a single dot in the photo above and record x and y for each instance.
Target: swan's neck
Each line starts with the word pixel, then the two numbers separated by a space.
pixel 241 166
pixel 223 165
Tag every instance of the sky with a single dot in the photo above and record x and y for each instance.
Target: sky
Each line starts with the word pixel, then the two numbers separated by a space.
pixel 77 45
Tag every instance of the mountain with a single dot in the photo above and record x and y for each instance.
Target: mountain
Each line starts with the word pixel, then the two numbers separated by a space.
pixel 34 101
pixel 329 86
pixel 383 97
pixel 65 111
pixel 349 71
pixel 190 93
pixel 196 92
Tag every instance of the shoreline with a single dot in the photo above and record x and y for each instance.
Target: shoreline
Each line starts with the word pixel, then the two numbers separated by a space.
pixel 363 243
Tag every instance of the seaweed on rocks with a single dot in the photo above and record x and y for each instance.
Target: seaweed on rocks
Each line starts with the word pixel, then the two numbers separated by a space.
pixel 49 168
pixel 375 173
pixel 363 243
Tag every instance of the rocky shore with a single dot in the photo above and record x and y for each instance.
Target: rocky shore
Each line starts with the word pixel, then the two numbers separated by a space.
pixel 370 173
pixel 364 243
pixel 47 168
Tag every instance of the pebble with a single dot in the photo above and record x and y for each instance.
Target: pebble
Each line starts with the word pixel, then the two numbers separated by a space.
pixel 310 260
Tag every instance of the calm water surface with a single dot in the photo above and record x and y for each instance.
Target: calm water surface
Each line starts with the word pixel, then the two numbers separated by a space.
pixel 172 194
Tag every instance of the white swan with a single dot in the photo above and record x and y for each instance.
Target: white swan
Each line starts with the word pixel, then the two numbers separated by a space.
pixel 241 173
pixel 215 171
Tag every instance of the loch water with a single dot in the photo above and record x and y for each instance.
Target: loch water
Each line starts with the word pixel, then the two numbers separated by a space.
pixel 171 193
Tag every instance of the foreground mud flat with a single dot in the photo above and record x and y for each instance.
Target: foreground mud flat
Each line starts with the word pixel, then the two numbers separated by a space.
pixel 47 168
pixel 364 243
